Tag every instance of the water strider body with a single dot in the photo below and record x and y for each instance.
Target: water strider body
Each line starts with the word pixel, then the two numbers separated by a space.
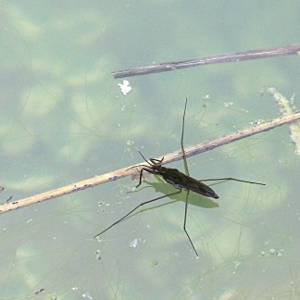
pixel 176 178
pixel 179 181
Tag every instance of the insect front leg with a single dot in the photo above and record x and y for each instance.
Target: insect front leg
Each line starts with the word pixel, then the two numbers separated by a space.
pixel 141 175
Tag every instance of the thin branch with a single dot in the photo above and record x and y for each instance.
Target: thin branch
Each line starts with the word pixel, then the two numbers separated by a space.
pixel 215 59
pixel 175 156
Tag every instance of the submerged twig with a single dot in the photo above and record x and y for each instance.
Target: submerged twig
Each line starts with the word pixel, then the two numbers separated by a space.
pixel 285 108
pixel 175 156
pixel 215 59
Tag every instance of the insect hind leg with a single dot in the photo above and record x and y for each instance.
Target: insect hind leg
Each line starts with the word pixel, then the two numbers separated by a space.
pixel 184 223
pixel 233 179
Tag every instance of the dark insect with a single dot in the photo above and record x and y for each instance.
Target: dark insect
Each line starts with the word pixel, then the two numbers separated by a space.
pixel 39 291
pixel 179 181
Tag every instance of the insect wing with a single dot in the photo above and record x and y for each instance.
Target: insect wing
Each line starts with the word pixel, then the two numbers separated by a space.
pixel 199 187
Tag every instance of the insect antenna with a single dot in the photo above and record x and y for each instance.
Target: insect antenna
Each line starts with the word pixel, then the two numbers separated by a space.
pixel 146 160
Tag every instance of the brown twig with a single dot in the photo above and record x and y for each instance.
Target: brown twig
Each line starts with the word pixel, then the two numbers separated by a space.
pixel 216 59
pixel 177 155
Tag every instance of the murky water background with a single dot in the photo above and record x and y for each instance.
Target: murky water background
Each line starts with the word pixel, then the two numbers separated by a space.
pixel 63 119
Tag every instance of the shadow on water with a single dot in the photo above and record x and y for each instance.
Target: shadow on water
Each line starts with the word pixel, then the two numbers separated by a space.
pixel 162 187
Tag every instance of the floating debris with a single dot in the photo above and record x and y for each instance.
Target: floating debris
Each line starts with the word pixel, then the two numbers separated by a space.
pixel 125 87
pixel 98 254
pixel 134 243
pixel 278 253
pixel 154 262
pixel 39 291
pixel 228 104
pixel 285 108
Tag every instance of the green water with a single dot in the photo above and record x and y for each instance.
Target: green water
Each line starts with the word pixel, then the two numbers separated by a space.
pixel 63 119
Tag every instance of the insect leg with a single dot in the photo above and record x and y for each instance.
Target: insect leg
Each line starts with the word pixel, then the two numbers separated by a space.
pixel 141 175
pixel 188 174
pixel 184 222
pixel 181 143
pixel 233 179
pixel 138 206
pixel 156 161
